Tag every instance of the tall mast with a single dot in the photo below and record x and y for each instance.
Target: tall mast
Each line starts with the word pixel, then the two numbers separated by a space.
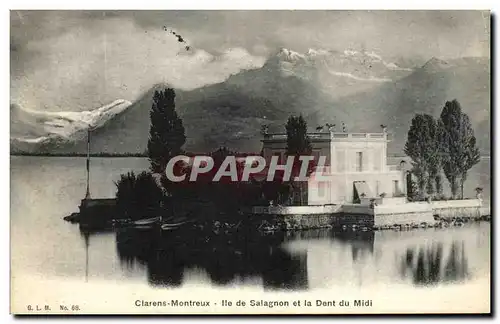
pixel 87 195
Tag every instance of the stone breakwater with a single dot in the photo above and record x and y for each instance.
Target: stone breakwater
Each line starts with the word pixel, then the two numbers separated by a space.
pixel 295 224
pixel 401 216
pixel 438 223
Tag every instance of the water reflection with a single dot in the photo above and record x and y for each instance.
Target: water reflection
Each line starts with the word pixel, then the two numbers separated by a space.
pixel 225 258
pixel 86 234
pixel 433 265
pixel 290 260
pixel 360 243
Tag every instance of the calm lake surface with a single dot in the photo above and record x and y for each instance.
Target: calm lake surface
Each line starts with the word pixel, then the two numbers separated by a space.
pixel 45 189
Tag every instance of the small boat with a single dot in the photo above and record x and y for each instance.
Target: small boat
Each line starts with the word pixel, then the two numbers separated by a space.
pixel 172 226
pixel 144 223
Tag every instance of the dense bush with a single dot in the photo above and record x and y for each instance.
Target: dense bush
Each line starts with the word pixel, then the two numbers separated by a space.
pixel 138 196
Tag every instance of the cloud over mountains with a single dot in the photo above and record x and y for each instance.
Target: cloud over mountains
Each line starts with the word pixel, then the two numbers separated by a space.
pixel 231 112
pixel 228 68
pixel 115 58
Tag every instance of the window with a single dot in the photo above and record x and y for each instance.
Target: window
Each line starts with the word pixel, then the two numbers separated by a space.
pixel 359 161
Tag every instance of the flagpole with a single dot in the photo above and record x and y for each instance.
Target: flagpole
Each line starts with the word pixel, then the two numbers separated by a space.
pixel 87 195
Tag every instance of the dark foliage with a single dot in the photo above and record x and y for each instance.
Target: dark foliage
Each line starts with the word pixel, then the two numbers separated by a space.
pixel 166 133
pixel 411 188
pixel 297 144
pixel 460 152
pixel 138 196
pixel 215 200
pixel 422 146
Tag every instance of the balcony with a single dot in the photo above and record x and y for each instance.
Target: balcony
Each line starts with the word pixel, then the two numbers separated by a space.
pixel 359 136
pixel 328 136
pixel 275 136
pixel 312 136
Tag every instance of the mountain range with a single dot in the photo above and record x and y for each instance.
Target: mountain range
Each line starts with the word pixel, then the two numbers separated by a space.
pixel 360 89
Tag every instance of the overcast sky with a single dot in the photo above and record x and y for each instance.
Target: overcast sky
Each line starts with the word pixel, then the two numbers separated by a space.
pixel 75 60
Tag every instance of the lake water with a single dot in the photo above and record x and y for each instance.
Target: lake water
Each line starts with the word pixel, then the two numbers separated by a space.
pixel 45 189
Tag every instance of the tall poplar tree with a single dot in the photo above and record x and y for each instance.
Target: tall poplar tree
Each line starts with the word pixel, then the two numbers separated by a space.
pixel 297 144
pixel 297 141
pixel 422 146
pixel 460 151
pixel 166 133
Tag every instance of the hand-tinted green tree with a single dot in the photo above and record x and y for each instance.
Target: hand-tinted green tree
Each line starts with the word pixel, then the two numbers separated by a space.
pixel 458 143
pixel 208 200
pixel 166 133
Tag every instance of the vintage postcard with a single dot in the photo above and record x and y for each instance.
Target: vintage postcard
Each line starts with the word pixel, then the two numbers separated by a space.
pixel 250 162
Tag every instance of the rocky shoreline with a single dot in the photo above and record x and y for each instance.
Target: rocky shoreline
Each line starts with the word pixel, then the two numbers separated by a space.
pixel 439 223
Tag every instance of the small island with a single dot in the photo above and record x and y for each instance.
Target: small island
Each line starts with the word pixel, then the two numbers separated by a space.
pixel 346 183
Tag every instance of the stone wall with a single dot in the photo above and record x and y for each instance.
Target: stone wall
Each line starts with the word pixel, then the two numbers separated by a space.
pixel 296 210
pixel 424 212
pixel 315 221
pixel 350 219
pixel 449 209
pixel 337 220
pixel 407 218
pixel 357 209
pixel 312 217
pixel 307 221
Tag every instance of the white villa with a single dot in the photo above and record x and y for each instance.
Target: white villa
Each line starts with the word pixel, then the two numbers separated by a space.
pixel 356 167
pixel 357 187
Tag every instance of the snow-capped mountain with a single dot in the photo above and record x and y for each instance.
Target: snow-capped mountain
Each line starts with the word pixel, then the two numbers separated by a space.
pixel 337 73
pixel 361 89
pixel 425 90
pixel 38 127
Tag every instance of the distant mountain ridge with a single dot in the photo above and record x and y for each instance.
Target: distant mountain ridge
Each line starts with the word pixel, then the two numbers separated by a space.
pixel 358 88
pixel 425 90
pixel 47 128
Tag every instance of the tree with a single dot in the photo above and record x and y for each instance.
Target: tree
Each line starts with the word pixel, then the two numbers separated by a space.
pixel 411 188
pixel 422 146
pixel 138 196
pixel 471 153
pixel 297 144
pixel 433 156
pixel 297 141
pixel 458 143
pixel 166 133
